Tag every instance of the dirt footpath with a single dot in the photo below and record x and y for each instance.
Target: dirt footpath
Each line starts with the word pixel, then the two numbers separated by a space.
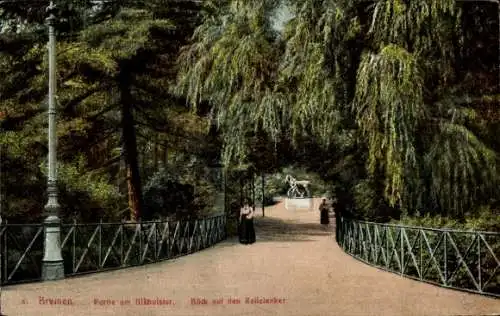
pixel 294 268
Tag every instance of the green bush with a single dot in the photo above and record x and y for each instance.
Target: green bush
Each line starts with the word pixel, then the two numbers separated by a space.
pixel 163 197
pixel 366 200
pixel 86 194
pixel 484 219
pixel 184 188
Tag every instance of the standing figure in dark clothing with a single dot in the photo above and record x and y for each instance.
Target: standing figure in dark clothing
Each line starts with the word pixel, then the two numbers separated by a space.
pixel 246 229
pixel 323 208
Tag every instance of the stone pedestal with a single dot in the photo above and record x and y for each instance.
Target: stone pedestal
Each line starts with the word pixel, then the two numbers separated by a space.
pixel 299 204
pixel 52 270
pixel 52 263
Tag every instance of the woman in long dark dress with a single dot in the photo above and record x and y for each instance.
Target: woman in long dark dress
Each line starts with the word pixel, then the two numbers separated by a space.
pixel 323 208
pixel 247 230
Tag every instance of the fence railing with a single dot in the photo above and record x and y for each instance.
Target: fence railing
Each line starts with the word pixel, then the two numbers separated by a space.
pixel 101 246
pixel 463 260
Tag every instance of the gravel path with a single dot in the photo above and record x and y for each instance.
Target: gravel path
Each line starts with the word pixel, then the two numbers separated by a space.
pixel 294 268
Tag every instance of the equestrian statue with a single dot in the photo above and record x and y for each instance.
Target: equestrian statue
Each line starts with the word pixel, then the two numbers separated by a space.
pixel 298 188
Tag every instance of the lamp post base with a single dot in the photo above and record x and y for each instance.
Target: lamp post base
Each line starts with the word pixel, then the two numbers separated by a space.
pixel 52 270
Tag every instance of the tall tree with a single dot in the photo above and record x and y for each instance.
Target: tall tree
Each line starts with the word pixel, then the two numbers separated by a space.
pixel 232 64
pixel 423 151
pixel 113 75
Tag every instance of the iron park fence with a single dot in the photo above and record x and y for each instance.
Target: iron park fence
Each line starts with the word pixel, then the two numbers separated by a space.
pixel 463 260
pixel 95 247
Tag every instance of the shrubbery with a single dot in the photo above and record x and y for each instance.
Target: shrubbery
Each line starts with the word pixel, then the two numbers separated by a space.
pixel 85 194
pixel 182 189
pixel 484 219
pixel 165 196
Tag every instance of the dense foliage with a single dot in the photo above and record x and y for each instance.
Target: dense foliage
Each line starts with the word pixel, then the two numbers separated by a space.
pixel 394 104
pixel 117 123
pixel 385 86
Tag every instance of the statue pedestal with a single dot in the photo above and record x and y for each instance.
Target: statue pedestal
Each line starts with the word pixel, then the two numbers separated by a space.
pixel 299 204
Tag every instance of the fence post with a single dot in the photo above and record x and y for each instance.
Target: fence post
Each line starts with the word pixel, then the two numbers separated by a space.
pixel 100 243
pixel 157 254
pixel 140 240
pixel 1 257
pixel 188 236
pixel 74 246
pixel 445 258
pixel 337 228
pixel 5 252
pixel 401 231
pixel 479 262
pixel 122 227
pixel 421 254
pixel 388 258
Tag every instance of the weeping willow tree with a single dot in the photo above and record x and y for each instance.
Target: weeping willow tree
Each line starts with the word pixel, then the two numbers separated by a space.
pixel 427 156
pixel 389 106
pixel 383 72
pixel 316 64
pixel 233 65
pixel 287 84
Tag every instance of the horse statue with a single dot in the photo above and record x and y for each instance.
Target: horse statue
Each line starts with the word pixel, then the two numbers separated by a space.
pixel 298 189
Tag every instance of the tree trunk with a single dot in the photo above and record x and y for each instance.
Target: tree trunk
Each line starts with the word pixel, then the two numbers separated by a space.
pixel 130 147
pixel 155 153
pixel 122 174
pixel 252 187
pixel 143 165
pixel 165 153
pixel 241 190
pixel 133 200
